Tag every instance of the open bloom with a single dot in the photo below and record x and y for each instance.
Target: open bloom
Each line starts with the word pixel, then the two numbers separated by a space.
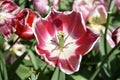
pixel 84 6
pixel 8 9
pixel 97 18
pixel 89 8
pixel 16 51
pixel 23 23
pixel 62 40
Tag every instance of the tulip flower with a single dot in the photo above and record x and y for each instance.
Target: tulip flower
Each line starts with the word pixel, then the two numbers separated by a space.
pixel 62 39
pixel 84 6
pixel 23 23
pixel 56 3
pixel 117 4
pixel 8 9
pixel 16 51
pixel 97 18
pixel 41 5
pixel 116 35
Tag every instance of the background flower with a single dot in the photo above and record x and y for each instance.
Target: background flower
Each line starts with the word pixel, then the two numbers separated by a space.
pixel 8 9
pixel 41 5
pixel 116 35
pixel 23 23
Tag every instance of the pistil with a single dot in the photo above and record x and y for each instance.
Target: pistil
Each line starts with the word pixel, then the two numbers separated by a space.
pixel 61 36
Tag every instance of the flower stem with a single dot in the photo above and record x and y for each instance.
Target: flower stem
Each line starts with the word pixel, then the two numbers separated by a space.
pixel 111 5
pixel 14 43
pixel 104 60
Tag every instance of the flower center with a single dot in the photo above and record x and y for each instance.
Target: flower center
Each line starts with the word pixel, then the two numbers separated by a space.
pixel 60 42
pixel 61 36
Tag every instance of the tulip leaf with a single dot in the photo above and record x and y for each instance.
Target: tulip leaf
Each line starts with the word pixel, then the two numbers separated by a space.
pixel 78 77
pixel 58 75
pixel 3 71
pixel 23 72
pixel 15 65
pixel 1 42
pixel 33 59
pixel 65 5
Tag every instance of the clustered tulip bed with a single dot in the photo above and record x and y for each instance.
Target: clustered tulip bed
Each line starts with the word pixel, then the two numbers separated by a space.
pixel 59 39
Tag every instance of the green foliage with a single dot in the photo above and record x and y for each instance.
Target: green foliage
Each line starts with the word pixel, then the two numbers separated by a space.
pixel 23 72
pixel 58 75
pixel 96 65
pixel 3 71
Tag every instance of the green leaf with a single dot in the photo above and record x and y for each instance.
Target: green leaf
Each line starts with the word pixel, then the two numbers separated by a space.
pixel 33 59
pixel 21 3
pixel 3 71
pixel 58 75
pixel 23 72
pixel 66 5
pixel 1 42
pixel 15 65
pixel 78 77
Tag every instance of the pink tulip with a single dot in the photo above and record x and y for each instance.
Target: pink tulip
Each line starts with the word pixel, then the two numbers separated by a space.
pixel 62 40
pixel 116 35
pixel 7 13
pixel 89 7
pixel 83 6
pixel 117 4
pixel 41 5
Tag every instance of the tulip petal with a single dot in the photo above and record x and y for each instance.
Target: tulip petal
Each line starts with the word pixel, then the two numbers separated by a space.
pixel 116 35
pixel 7 13
pixel 70 65
pixel 72 23
pixel 44 31
pixel 86 42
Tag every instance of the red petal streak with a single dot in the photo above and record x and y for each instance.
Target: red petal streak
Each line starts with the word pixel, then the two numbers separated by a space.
pixel 70 65
pixel 9 6
pixel 116 35
pixel 45 55
pixel 73 24
pixel 31 17
pixel 45 30
pixel 86 42
pixel 23 31
pixel 58 24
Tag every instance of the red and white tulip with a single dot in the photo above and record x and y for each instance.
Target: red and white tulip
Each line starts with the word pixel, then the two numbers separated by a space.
pixel 62 39
pixel 8 9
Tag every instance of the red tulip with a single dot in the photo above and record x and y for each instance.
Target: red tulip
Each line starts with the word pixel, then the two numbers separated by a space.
pixel 23 23
pixel 62 40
